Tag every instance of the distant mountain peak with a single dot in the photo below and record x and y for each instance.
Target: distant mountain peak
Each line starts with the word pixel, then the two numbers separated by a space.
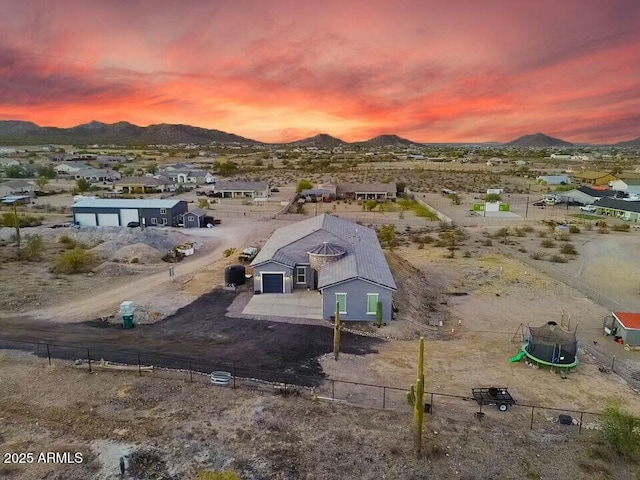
pixel 320 140
pixel 629 143
pixel 538 140
pixel 388 140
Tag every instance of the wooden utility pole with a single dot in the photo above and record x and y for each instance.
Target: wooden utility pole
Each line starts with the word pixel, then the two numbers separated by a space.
pixel 336 333
pixel 16 224
pixel 415 397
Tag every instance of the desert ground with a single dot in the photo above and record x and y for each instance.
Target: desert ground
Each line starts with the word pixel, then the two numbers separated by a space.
pixel 482 292
pixel 170 428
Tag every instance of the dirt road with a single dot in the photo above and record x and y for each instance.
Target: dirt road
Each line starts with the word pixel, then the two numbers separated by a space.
pixel 147 289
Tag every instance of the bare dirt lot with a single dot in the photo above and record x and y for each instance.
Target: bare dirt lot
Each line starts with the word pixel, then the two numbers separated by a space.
pixel 171 429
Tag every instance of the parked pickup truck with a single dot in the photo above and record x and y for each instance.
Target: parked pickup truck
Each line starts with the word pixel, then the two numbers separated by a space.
pixel 248 254
pixel 588 208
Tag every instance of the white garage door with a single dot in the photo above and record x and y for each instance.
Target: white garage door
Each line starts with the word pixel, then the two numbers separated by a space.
pixel 86 219
pixel 108 220
pixel 128 215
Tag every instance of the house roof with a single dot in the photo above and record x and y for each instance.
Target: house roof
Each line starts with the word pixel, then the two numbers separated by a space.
pixel 553 177
pixel 591 175
pixel 366 188
pixel 363 259
pixel 125 203
pixel 630 321
pixel 596 192
pixel 17 184
pixel 198 212
pixel 151 181
pixel 241 186
pixel 615 204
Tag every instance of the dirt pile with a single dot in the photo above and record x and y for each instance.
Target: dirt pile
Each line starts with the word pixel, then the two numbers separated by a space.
pixel 135 253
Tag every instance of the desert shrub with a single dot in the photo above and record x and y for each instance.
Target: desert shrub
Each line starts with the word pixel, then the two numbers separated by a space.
pixel 558 259
pixel 574 229
pixel 387 235
pixel 601 223
pixel 527 228
pixel 466 254
pixel 76 260
pixel 520 232
pixel 563 237
pixel 522 250
pixel 542 234
pixel 621 228
pixel 547 243
pixel 603 230
pixel 487 242
pixel 8 219
pixel 228 252
pixel 588 227
pixel 568 249
pixel 70 243
pixel 621 430
pixel 537 255
pixel 32 248
pixel 135 260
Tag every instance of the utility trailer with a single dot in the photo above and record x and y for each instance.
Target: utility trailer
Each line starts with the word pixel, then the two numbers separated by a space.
pixel 499 396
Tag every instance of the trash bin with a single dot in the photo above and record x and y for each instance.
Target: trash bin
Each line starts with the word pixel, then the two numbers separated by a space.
pixel 127 321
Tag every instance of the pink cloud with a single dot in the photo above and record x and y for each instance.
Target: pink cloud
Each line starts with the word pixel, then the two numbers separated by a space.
pixel 435 71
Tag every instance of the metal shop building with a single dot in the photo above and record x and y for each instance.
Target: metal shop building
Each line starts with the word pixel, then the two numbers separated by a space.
pixel 105 212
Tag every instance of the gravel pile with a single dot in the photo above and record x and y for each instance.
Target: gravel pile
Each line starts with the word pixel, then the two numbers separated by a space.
pixel 135 253
pixel 111 269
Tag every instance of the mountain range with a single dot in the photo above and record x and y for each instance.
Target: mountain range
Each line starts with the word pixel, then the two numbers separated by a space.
pixel 16 132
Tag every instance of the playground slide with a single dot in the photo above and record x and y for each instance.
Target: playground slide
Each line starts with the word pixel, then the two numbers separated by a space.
pixel 518 357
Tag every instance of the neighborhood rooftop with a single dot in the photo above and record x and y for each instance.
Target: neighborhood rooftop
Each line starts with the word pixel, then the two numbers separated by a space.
pixel 615 204
pixel 242 186
pixel 125 203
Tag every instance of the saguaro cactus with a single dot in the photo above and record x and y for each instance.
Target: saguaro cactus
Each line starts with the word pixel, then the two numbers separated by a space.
pixel 416 401
pixel 379 314
pixel 336 333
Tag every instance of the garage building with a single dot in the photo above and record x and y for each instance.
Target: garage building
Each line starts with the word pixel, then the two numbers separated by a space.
pixel 627 326
pixel 104 212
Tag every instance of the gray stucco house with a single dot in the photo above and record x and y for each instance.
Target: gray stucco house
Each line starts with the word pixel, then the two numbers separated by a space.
pixel 339 258
pixel 103 212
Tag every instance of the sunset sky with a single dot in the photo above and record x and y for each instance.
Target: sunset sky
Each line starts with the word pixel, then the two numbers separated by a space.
pixel 432 71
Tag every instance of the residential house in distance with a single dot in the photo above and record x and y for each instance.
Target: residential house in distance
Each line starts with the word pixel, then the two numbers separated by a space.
pixel 242 189
pixel 585 195
pixel 315 194
pixel 100 212
pixel 70 168
pixel 337 257
pixel 628 211
pixel 593 178
pixel 553 179
pixel 187 174
pixel 8 162
pixel 17 187
pixel 627 185
pixel 96 175
pixel 367 191
pixel 133 185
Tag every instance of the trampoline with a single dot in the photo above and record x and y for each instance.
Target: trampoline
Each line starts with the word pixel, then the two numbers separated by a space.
pixel 551 345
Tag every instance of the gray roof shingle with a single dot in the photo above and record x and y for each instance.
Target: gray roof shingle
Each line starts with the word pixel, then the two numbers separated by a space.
pixel 363 257
pixel 241 186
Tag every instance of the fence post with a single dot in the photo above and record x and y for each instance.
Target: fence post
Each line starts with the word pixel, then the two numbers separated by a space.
pixel 139 366
pixel 190 373
pixel 233 373
pixel 333 389
pixel 532 410
pixel 89 358
pixel 48 354
pixel 384 397
pixel 431 409
pixel 580 428
pixel 613 362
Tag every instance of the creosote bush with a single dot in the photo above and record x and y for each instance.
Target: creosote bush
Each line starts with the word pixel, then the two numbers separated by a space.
pixel 76 260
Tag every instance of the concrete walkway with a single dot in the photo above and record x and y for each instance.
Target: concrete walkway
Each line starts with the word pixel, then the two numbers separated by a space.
pixel 300 304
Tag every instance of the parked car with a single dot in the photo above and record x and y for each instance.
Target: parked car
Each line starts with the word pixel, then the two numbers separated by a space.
pixel 133 224
pixel 588 208
pixel 275 190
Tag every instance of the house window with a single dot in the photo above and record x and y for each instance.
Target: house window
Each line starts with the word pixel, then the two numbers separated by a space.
pixel 163 211
pixel 154 221
pixel 164 221
pixel 191 219
pixel 341 301
pixel 372 303
pixel 301 275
